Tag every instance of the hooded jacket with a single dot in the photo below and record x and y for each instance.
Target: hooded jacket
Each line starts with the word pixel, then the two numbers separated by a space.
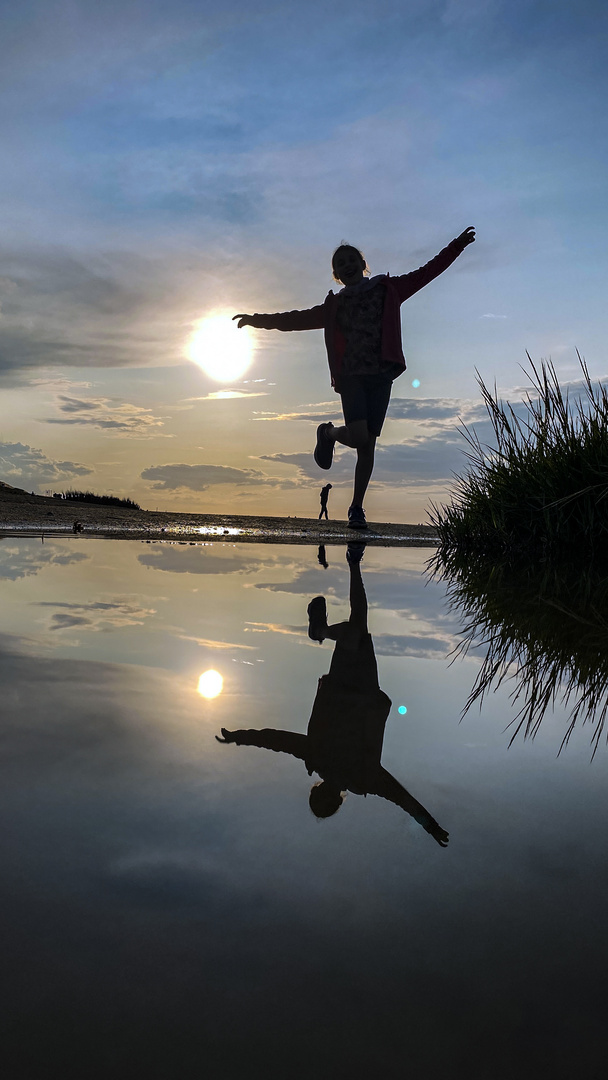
pixel 324 316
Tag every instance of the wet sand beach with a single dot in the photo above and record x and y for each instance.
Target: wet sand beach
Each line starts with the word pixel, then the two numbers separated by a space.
pixel 22 514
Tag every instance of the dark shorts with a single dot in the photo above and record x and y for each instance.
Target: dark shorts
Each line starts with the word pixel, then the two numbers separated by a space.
pixel 365 397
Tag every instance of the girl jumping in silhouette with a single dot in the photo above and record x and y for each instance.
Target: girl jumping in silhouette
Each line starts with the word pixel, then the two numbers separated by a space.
pixel 363 340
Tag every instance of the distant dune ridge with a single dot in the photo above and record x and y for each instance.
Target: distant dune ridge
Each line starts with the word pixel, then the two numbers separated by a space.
pixel 24 514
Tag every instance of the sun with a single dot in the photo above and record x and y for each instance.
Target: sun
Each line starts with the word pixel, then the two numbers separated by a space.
pixel 210 684
pixel 222 350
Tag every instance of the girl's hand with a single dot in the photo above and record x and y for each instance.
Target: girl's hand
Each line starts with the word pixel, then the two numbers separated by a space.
pixel 468 236
pixel 227 736
pixel 244 320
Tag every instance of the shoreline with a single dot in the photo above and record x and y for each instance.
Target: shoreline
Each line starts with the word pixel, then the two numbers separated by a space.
pixel 23 515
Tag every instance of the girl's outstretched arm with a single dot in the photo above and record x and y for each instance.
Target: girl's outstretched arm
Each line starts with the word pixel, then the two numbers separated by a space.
pixel 408 284
pixel 309 319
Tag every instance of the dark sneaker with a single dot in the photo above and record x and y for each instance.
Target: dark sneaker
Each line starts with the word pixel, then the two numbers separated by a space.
pixel 354 551
pixel 317 619
pixel 324 450
pixel 356 518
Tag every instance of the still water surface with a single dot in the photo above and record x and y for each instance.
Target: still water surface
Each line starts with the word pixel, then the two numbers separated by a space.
pixel 172 907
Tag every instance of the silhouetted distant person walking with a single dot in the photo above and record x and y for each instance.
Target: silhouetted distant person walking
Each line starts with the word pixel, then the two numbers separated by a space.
pixel 363 341
pixel 324 497
pixel 346 727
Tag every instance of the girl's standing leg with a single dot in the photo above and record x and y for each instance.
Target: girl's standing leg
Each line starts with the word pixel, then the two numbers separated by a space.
pixel 357 435
pixel 363 469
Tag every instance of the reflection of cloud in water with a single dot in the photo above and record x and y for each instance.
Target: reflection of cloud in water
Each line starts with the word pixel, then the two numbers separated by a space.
pixel 202 560
pixel 425 646
pixel 98 615
pixel 55 711
pixel 402 591
pixel 26 558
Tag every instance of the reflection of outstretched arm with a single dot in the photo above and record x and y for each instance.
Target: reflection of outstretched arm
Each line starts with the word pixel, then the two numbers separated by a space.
pixel 285 742
pixel 389 788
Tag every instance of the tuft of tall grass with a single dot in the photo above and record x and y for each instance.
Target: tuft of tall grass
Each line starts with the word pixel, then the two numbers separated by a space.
pixel 541 487
pixel 102 500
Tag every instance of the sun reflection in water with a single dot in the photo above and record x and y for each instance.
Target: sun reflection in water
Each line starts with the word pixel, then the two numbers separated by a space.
pixel 210 684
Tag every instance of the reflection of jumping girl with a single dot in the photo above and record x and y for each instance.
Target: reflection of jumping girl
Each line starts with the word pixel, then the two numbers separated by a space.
pixel 343 744
pixel 363 340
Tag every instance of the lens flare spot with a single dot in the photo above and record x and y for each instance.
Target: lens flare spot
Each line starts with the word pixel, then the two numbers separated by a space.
pixel 402 709
pixel 210 684
pixel 415 383
pixel 222 350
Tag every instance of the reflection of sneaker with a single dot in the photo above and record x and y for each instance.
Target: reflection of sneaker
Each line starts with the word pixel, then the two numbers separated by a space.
pixel 356 518
pixel 317 619
pixel 324 450
pixel 322 557
pixel 354 551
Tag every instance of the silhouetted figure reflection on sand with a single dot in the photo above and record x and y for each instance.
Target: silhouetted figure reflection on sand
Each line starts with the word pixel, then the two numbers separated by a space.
pixel 343 744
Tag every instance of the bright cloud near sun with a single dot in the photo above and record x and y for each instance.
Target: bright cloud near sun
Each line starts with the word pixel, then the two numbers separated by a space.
pixel 222 350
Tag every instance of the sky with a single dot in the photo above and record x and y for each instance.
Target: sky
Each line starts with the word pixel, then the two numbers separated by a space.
pixel 167 166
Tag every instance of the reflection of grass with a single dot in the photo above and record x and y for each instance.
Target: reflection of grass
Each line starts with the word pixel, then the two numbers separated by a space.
pixel 104 500
pixel 547 630
pixel 541 488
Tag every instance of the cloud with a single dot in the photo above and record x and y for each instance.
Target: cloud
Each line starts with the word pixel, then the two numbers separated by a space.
pixel 211 643
pixel 576 389
pixel 93 310
pixel 64 310
pixel 25 466
pixel 200 477
pixel 446 411
pixel 226 395
pixel 323 411
pixel 419 461
pixel 120 420
pixel 489 315
pixel 98 615
pixel 342 468
pixel 276 628
pixel 23 560
pixel 430 455
pixel 67 622
pixel 425 410
pixel 75 405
